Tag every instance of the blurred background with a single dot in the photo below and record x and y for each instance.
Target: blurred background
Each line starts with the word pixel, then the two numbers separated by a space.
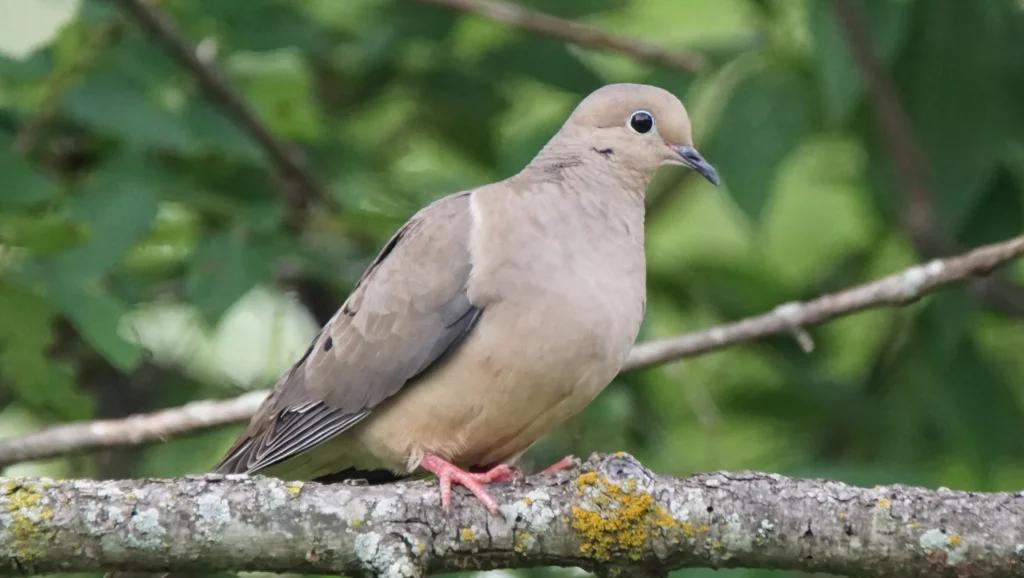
pixel 150 253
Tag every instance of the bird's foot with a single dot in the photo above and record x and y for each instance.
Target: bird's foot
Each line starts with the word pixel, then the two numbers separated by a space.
pixel 565 463
pixel 447 473
pixel 499 474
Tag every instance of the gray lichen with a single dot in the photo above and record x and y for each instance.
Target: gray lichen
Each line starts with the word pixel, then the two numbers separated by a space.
pixel 660 523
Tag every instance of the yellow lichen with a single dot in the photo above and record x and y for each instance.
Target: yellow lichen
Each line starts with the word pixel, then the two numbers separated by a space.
pixel 842 515
pixel 716 544
pixel 28 521
pixel 884 503
pixel 22 496
pixel 468 535
pixel 954 540
pixel 587 479
pixel 527 501
pixel 914 525
pixel 622 518
pixel 688 530
pixel 293 489
pixel 357 522
pixel 522 545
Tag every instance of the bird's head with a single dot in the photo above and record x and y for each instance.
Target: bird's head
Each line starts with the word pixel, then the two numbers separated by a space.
pixel 640 126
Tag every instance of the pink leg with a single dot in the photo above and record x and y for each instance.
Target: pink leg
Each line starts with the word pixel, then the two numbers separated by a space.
pixel 448 473
pixel 501 473
pixel 562 464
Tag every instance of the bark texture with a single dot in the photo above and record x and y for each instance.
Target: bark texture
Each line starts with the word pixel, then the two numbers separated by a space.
pixel 611 514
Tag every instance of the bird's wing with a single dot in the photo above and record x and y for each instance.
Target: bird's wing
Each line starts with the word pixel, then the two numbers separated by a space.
pixel 407 311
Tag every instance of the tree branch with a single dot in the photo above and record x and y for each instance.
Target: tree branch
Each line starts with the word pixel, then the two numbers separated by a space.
pixel 289 161
pixel 134 430
pixel 573 32
pixel 898 289
pixel 611 513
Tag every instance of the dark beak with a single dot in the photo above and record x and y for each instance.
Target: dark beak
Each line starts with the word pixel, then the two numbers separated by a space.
pixel 691 158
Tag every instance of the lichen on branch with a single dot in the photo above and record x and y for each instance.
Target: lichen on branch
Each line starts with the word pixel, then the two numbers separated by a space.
pixel 610 514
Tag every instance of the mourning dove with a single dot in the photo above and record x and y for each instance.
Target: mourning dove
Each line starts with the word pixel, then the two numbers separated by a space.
pixel 488 319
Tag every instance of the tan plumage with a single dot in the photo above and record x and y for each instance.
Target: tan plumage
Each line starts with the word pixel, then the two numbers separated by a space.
pixel 490 317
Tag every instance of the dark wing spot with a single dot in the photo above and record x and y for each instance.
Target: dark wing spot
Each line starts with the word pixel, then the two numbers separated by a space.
pixel 606 153
pixel 328 344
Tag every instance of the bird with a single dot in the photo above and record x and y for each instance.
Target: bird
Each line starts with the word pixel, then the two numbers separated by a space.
pixel 489 318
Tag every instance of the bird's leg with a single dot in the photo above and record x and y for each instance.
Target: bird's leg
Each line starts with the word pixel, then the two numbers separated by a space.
pixel 447 473
pixel 562 464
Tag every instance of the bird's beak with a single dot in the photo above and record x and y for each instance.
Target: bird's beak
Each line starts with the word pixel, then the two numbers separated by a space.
pixel 691 158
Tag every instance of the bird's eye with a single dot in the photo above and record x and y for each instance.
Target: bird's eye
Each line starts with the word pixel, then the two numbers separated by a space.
pixel 641 122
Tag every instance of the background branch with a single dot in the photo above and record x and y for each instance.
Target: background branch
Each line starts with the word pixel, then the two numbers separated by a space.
pixel 573 32
pixel 898 289
pixel 907 158
pixel 289 161
pixel 612 513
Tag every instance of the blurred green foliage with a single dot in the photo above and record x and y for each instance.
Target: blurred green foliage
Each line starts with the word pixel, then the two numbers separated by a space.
pixel 149 256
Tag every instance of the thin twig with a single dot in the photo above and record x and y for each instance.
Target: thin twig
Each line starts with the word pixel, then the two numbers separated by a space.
pixel 898 289
pixel 289 161
pixel 907 157
pixel 573 32
pixel 894 290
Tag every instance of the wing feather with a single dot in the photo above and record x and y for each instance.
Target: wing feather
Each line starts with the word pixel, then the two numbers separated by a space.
pixel 407 312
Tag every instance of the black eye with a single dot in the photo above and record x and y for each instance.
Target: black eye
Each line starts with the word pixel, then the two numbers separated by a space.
pixel 641 121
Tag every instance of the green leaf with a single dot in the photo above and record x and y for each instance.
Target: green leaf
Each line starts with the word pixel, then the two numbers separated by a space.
pixel 25 337
pixel 279 85
pixel 122 109
pixel 461 109
pixel 763 120
pixel 49 233
pixel 97 317
pixel 225 267
pixel 244 25
pixel 546 60
pixel 416 20
pixel 980 413
pixel 740 289
pixel 218 134
pixel 23 185
pixel 953 78
pixel 841 84
pixel 37 66
pixel 117 208
pixel 999 214
pixel 574 9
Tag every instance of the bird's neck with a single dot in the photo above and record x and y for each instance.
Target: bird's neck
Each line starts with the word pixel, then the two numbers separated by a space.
pixel 584 168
